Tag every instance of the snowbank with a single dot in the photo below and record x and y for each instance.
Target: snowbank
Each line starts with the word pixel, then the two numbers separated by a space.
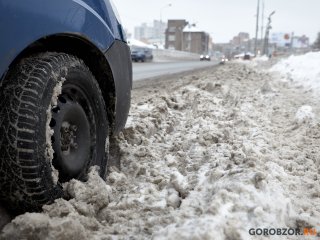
pixel 136 43
pixel 303 70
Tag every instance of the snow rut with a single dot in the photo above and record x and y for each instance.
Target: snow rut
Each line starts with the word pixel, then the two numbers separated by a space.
pixel 210 159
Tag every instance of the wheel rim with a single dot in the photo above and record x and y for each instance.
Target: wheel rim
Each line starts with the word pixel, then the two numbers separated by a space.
pixel 72 139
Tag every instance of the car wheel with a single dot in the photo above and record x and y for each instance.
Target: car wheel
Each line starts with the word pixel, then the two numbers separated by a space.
pixel 53 128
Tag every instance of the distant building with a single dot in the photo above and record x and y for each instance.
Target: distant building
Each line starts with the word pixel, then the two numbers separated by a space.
pixel 241 42
pixel 174 34
pixel 195 40
pixel 240 39
pixel 182 36
pixel 224 49
pixel 279 42
pixel 151 32
pixel 144 31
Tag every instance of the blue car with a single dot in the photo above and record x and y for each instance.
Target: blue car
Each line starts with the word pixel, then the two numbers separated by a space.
pixel 141 54
pixel 65 85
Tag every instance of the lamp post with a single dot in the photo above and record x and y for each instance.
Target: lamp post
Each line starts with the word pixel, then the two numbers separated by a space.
pixel 266 37
pixel 160 24
pixel 165 6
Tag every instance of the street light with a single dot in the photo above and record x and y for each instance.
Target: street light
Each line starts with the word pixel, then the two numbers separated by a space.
pixel 160 24
pixel 266 37
pixel 161 9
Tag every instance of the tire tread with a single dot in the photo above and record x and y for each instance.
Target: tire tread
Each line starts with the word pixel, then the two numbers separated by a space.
pixel 21 174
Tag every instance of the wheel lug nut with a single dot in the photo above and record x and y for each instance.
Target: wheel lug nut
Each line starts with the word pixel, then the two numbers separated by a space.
pixel 74 145
pixel 64 148
pixel 65 129
pixel 74 128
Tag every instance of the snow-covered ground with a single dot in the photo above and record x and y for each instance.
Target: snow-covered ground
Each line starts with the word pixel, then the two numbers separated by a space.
pixel 206 156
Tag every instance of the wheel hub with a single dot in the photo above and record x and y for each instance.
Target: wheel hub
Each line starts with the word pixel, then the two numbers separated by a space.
pixel 71 138
pixel 68 137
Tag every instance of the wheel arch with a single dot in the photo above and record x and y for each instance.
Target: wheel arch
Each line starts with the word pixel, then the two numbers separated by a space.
pixel 92 57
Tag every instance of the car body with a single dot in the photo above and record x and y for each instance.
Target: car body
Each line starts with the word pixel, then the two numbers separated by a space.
pixel 205 57
pixel 65 85
pixel 247 57
pixel 141 54
pixel 244 56
pixel 66 25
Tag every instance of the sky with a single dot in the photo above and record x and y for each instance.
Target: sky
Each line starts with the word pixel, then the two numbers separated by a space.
pixel 224 19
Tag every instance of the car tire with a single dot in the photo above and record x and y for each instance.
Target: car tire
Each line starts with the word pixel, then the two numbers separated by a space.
pixel 53 128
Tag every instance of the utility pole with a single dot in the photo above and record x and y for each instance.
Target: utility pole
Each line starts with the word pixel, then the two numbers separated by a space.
pixel 262 23
pixel 181 28
pixel 257 29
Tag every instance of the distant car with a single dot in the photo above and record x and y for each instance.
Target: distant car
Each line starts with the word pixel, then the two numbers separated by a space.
pixel 223 60
pixel 65 85
pixel 246 57
pixel 205 57
pixel 140 54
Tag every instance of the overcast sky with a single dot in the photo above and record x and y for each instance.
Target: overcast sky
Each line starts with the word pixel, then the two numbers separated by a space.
pixel 224 19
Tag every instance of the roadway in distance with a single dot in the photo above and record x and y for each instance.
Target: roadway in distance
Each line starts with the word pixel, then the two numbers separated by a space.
pixel 158 69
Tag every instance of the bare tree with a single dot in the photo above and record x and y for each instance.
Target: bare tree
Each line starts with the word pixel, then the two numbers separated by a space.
pixel 316 44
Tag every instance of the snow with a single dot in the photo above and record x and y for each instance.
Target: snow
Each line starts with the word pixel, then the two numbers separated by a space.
pixel 303 70
pixel 262 58
pixel 49 131
pixel 136 43
pixel 191 28
pixel 304 114
pixel 205 156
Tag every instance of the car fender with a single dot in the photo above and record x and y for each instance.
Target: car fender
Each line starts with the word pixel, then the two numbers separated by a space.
pixel 35 19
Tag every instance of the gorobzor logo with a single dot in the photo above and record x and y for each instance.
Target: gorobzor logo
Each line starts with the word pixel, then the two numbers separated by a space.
pixel 283 231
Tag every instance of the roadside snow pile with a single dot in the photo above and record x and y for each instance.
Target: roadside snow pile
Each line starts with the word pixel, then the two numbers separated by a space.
pixel 303 70
pixel 261 58
pixel 208 156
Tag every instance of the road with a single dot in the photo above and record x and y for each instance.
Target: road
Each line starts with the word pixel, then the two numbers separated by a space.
pixel 156 69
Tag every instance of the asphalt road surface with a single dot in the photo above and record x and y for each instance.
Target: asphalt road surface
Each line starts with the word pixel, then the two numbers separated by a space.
pixel 157 69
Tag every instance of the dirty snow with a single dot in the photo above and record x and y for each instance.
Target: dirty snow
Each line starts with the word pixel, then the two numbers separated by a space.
pixel 206 156
pixel 49 131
